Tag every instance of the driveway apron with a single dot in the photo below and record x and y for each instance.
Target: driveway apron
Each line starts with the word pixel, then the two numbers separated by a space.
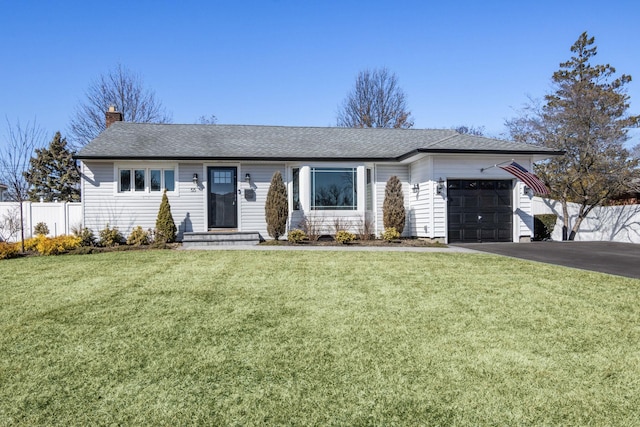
pixel 622 259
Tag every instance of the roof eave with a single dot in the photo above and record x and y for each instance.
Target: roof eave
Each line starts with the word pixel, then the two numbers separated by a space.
pixel 236 158
pixel 478 151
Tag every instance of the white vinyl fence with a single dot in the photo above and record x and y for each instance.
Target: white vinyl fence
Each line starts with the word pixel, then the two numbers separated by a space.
pixel 604 223
pixel 59 217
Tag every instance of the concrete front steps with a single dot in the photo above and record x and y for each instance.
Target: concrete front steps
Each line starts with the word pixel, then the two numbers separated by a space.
pixel 193 240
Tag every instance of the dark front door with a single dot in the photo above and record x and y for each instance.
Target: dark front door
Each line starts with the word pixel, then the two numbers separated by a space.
pixel 222 183
pixel 479 211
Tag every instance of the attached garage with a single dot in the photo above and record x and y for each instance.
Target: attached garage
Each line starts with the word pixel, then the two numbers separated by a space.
pixel 479 210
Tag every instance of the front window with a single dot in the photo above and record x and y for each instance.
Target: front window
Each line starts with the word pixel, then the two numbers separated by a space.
pixel 155 177
pixel 169 180
pixel 296 189
pixel 334 189
pixel 369 197
pixel 139 179
pixel 149 180
pixel 125 180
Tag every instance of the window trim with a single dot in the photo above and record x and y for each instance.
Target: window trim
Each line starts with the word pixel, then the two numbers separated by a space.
pixel 133 168
pixel 353 170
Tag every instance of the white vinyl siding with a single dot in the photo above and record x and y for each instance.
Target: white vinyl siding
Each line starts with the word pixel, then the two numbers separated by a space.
pixel 421 200
pixel 252 216
pixel 103 204
pixel 466 167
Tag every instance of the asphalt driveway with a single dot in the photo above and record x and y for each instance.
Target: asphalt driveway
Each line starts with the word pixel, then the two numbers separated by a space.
pixel 622 259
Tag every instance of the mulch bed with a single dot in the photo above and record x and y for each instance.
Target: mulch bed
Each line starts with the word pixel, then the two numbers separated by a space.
pixel 373 242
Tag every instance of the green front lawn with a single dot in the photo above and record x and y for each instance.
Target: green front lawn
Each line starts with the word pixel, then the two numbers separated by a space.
pixel 315 338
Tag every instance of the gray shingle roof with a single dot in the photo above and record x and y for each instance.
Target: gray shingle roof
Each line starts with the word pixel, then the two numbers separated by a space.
pixel 243 142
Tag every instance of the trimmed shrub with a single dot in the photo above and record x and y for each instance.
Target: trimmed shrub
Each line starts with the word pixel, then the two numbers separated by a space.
pixel 390 234
pixel 8 250
pixel 165 226
pixel 296 236
pixel 344 237
pixel 110 237
pixel 87 238
pixel 52 245
pixel 138 237
pixel 393 213
pixel 276 208
pixel 41 229
pixel 543 226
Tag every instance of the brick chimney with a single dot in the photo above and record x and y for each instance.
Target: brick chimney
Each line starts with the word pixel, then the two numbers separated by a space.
pixel 113 116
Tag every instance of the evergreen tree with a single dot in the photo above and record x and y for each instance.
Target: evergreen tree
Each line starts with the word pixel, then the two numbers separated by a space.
pixel 165 227
pixel 587 118
pixel 393 213
pixel 53 174
pixel 276 207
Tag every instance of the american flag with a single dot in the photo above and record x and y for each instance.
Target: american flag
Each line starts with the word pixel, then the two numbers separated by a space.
pixel 530 179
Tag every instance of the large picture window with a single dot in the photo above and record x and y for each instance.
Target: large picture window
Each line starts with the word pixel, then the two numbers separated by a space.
pixel 334 189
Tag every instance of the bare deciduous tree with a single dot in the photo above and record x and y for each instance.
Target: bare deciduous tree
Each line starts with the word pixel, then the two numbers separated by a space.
pixel 14 161
pixel 123 89
pixel 376 101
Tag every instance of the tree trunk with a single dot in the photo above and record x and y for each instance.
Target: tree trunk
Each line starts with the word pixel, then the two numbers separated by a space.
pixel 576 227
pixel 565 220
pixel 21 226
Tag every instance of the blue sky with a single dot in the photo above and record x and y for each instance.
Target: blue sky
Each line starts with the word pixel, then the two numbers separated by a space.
pixel 285 62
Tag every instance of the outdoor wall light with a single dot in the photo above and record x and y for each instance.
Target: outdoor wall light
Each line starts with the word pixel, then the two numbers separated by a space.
pixel 440 186
pixel 247 177
pixel 195 179
pixel 526 191
pixel 416 187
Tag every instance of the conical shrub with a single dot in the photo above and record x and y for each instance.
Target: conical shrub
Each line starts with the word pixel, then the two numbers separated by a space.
pixel 393 213
pixel 165 227
pixel 276 207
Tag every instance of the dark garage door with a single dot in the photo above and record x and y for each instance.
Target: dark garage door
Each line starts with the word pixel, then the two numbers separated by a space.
pixel 479 211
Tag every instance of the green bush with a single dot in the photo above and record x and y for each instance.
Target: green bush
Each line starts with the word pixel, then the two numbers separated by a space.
pixel 138 237
pixel 390 234
pixel 165 226
pixel 41 229
pixel 344 237
pixel 8 250
pixel 296 236
pixel 87 238
pixel 543 226
pixel 110 237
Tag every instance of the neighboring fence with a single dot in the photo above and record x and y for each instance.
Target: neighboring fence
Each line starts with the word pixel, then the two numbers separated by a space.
pixel 59 217
pixel 604 223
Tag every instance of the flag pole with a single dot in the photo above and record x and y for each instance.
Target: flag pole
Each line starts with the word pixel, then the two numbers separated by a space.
pixel 495 166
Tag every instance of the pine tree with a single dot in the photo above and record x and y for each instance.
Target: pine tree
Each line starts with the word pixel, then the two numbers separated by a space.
pixel 586 117
pixel 53 173
pixel 276 207
pixel 165 227
pixel 393 213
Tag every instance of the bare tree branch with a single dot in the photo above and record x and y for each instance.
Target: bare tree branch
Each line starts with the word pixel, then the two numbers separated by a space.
pixel 376 101
pixel 123 89
pixel 14 161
